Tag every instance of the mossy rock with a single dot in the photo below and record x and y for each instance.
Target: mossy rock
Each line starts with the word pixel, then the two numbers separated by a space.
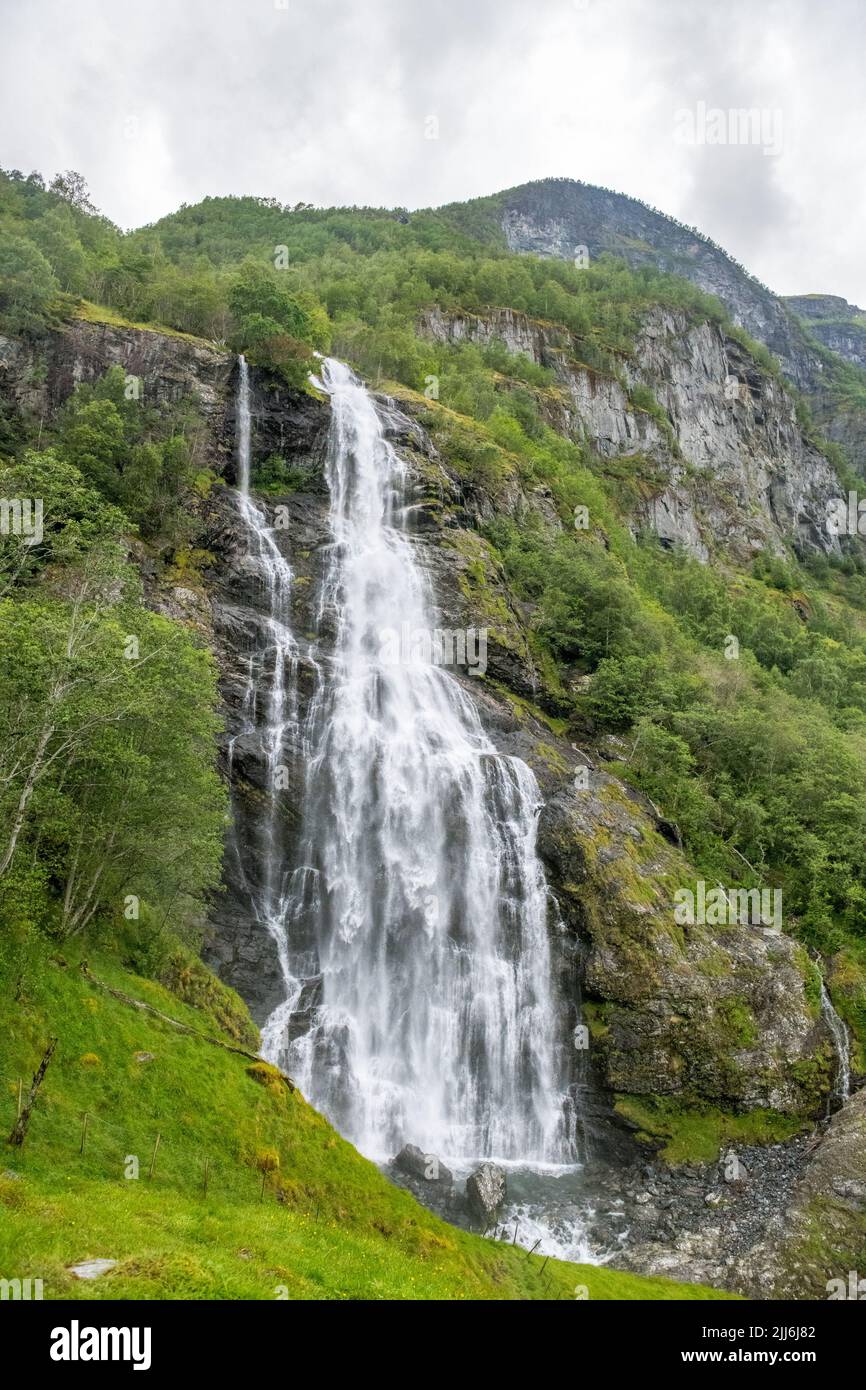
pixel 266 1075
pixel 696 1133
pixel 190 980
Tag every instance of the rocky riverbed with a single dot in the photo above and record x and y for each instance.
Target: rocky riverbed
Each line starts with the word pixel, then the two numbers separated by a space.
pixel 762 1220
pixel 697 1222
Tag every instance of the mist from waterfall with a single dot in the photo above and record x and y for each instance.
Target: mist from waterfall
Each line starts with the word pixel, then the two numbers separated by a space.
pixel 413 925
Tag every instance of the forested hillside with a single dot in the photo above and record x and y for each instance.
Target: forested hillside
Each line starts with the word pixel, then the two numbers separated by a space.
pixel 723 680
pixel 760 762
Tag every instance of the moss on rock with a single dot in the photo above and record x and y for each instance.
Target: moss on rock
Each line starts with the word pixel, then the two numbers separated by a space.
pixel 689 1131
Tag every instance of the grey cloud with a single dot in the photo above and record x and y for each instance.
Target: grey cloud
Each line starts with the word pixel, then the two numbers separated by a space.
pixel 167 102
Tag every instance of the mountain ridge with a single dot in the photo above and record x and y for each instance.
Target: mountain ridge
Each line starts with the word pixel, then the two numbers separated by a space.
pixel 567 218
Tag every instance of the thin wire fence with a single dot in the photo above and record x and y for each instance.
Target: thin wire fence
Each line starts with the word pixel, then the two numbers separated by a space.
pixel 96 1147
pixel 92 1146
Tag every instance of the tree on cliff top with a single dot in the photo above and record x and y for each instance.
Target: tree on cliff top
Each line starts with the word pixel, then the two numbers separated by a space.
pixel 277 327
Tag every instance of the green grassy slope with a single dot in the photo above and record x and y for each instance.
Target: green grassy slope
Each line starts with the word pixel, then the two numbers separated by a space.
pixel 327 1225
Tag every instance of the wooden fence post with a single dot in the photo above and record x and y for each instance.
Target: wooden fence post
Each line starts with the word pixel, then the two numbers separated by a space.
pixel 19 1129
pixel 153 1156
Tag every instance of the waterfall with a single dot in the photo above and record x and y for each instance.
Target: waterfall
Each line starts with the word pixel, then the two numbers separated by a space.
pixel 413 922
pixel 244 428
pixel 839 1033
pixel 269 703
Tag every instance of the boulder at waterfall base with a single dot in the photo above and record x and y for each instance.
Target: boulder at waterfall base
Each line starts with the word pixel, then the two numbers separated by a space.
pixel 486 1190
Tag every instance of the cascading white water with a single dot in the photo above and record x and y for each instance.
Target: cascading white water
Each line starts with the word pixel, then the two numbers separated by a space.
pixel 269 703
pixel 842 1087
pixel 413 929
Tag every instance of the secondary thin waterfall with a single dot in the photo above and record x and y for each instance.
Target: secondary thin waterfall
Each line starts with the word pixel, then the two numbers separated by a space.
pixel 269 703
pixel 839 1033
pixel 414 922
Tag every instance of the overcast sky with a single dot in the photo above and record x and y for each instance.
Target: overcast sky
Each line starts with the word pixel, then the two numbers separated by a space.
pixel 159 102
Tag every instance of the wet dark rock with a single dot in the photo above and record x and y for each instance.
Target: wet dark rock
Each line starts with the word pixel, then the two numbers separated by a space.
pixel 425 1167
pixel 304 1013
pixel 285 422
pixel 240 951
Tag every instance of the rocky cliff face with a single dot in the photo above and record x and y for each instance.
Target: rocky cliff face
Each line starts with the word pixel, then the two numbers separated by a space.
pixel 837 324
pixel 701 1012
pixel 37 378
pixel 704 1013
pixel 724 466
pixel 556 217
pixel 707 1013
pixel 238 947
